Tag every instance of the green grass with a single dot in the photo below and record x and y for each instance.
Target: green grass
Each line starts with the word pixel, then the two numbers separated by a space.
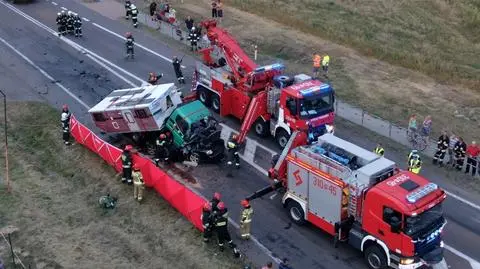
pixel 437 37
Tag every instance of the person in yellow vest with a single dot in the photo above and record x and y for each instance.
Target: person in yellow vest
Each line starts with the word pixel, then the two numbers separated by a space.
pixel 379 150
pixel 414 162
pixel 325 62
pixel 138 184
pixel 316 64
pixel 246 219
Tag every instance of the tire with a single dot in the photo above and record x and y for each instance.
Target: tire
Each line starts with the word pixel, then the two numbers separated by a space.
pixel 375 257
pixel 296 213
pixel 215 103
pixel 282 138
pixel 204 97
pixel 194 157
pixel 261 127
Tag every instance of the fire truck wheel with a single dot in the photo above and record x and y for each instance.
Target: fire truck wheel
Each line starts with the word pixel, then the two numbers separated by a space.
pixel 261 127
pixel 216 103
pixel 296 212
pixel 282 138
pixel 204 97
pixel 375 257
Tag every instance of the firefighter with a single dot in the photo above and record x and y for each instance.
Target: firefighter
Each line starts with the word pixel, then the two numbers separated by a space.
pixel 177 67
pixel 62 23
pixel 459 150
pixel 59 21
pixel 127 165
pixel 221 227
pixel 325 62
pixel 193 37
pixel 65 119
pixel 138 183
pixel 379 150
pixel 134 12
pixel 215 201
pixel 129 43
pixel 414 163
pixel 233 156
pixel 128 11
pixel 77 24
pixel 70 21
pixel 442 146
pixel 246 219
pixel 161 150
pixel 153 78
pixel 206 218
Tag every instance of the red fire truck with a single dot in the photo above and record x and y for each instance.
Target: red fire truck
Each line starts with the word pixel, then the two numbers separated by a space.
pixel 394 217
pixel 230 83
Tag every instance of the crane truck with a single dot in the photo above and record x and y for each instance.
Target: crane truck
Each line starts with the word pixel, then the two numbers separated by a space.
pixel 394 217
pixel 230 83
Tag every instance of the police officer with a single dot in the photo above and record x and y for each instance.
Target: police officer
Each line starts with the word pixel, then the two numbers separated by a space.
pixel 246 219
pixel 193 37
pixel 221 227
pixel 138 183
pixel 379 150
pixel 233 156
pixel 134 12
pixel 207 224
pixel 70 21
pixel 442 146
pixel 77 24
pixel 129 43
pixel 127 165
pixel 128 11
pixel 414 162
pixel 459 150
pixel 177 67
pixel 161 150
pixel 65 119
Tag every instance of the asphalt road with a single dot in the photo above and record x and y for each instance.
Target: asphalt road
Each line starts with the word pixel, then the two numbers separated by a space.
pixel 307 247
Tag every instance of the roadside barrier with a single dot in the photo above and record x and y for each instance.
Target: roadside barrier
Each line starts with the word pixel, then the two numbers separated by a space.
pixel 178 195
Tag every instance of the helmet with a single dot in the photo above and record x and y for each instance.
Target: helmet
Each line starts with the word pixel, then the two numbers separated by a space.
pixel 58 14
pixel 132 6
pixel 193 28
pixel 136 167
pixel 217 196
pixel 221 206
pixel 69 12
pixel 63 11
pixel 245 203
pixel 234 136
pixel 128 34
pixel 128 147
pixel 152 74
pixel 162 136
pixel 207 206
pixel 65 107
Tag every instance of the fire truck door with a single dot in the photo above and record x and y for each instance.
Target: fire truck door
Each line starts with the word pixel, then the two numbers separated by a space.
pixel 130 120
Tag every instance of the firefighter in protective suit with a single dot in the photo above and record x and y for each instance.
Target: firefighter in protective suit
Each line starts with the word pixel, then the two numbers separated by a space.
pixel 77 25
pixel 177 67
pixel 216 199
pixel 414 162
pixel 65 119
pixel 193 37
pixel 442 146
pixel 207 222
pixel 62 28
pixel 70 21
pixel 460 151
pixel 233 156
pixel 129 43
pixel 134 12
pixel 138 183
pixel 127 165
pixel 128 11
pixel 161 149
pixel 221 227
pixel 246 219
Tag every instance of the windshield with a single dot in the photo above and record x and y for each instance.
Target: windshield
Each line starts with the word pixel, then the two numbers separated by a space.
pixel 415 224
pixel 316 105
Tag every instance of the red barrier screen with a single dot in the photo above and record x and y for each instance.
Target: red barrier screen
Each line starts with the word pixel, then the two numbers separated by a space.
pixel 179 196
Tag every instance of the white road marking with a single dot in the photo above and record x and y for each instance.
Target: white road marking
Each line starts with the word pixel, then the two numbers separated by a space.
pixel 54 3
pixel 136 44
pixel 64 8
pixel 475 264
pixel 44 73
pixel 85 19
pixel 463 200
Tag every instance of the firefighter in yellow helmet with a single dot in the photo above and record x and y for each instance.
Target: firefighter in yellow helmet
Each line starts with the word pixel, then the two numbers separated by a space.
pixel 246 219
pixel 414 162
pixel 233 157
pixel 138 184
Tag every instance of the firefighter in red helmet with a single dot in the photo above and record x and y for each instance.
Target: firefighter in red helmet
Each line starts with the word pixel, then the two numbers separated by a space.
pixel 138 183
pixel 245 219
pixel 221 227
pixel 207 220
pixel 161 149
pixel 127 165
pixel 65 119
pixel 214 202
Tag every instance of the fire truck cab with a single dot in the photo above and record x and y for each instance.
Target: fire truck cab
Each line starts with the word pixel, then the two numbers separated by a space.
pixel 394 217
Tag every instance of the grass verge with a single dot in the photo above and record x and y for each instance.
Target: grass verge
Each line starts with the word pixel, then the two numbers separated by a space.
pixel 54 205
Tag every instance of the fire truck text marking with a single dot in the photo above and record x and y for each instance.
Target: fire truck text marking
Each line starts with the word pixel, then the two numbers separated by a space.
pixel 298 179
pixel 324 185
pixel 115 125
pixel 398 180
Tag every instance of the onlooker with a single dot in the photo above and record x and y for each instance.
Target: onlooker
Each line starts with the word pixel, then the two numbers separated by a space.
pixel 451 148
pixel 153 9
pixel 214 9
pixel 316 64
pixel 325 63
pixel 284 264
pixel 412 124
pixel 473 151
pixel 269 265
pixel 189 23
pixel 427 126
pixel 219 10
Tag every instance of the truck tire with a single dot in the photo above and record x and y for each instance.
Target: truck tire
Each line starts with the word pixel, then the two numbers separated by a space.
pixel 261 127
pixel 295 211
pixel 215 103
pixel 283 81
pixel 282 138
pixel 376 257
pixel 204 96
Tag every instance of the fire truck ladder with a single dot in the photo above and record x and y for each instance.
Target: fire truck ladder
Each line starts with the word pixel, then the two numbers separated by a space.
pixel 255 109
pixel 354 207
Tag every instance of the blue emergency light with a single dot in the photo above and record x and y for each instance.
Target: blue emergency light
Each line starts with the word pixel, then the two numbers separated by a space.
pixel 414 196
pixel 276 66
pixel 313 90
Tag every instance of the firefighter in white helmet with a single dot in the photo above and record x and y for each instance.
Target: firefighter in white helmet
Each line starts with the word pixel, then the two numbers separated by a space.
pixel 65 120
pixel 134 12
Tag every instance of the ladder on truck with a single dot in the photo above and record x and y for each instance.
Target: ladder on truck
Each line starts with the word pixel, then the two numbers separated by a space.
pixel 355 198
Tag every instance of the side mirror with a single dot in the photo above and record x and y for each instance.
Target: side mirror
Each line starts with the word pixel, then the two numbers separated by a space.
pixel 395 224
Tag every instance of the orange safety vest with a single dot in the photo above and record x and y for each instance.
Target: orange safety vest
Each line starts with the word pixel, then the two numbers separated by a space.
pixel 317 60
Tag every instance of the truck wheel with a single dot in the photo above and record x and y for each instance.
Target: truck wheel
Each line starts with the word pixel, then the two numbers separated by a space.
pixel 204 97
pixel 195 158
pixel 375 257
pixel 216 103
pixel 282 138
pixel 296 212
pixel 261 127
